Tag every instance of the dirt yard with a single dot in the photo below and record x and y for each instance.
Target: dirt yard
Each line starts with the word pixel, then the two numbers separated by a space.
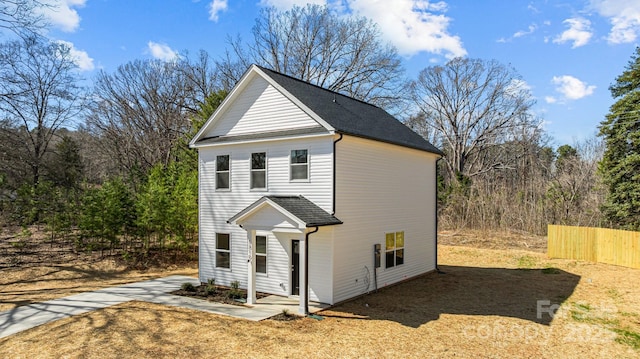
pixel 37 269
pixel 489 303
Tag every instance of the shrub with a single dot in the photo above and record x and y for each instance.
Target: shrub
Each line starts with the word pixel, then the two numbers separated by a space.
pixel 235 290
pixel 188 287
pixel 210 288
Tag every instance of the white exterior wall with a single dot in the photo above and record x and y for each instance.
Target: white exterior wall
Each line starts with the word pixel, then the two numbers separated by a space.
pixel 216 207
pixel 260 107
pixel 381 188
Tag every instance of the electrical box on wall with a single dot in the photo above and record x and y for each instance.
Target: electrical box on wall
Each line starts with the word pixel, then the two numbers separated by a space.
pixel 376 255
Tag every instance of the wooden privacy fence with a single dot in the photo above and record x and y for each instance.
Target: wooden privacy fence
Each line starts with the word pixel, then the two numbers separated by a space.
pixel 601 245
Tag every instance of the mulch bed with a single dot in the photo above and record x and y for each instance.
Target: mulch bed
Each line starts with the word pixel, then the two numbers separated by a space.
pixel 221 294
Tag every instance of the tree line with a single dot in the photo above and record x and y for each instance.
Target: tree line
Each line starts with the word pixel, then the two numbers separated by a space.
pixel 108 166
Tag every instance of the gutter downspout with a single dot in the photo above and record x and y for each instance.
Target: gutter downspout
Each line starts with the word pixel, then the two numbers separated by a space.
pixel 334 174
pixel 436 214
pixel 306 269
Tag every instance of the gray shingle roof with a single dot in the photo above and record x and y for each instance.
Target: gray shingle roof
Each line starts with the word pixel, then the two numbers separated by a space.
pixel 350 116
pixel 300 207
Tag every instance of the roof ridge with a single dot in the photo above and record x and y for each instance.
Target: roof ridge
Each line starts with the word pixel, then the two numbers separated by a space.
pixel 319 87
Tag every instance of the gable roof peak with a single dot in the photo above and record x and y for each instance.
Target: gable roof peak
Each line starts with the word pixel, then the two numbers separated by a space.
pixel 348 115
pixel 320 88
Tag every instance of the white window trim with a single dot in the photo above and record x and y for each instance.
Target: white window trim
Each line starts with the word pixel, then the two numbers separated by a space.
pixel 308 164
pixel 216 175
pixel 266 172
pixel 215 264
pixel 395 248
pixel 265 255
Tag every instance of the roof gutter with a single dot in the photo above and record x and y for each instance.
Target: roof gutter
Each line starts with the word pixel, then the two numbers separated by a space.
pixel 333 211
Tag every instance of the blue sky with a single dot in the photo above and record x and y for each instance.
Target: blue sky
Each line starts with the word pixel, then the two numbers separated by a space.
pixel 567 52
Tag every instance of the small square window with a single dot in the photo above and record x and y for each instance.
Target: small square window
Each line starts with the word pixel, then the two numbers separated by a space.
pixel 394 249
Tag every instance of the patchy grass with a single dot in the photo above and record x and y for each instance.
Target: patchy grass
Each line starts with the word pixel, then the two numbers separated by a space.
pixel 628 337
pixel 527 261
pixel 485 307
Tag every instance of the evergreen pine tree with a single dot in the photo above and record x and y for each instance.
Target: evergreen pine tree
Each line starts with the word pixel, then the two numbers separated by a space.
pixel 620 165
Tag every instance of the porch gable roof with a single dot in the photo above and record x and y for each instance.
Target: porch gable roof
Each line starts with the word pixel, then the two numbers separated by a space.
pixel 302 210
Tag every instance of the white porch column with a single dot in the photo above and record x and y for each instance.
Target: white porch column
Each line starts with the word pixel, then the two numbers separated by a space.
pixel 303 290
pixel 251 267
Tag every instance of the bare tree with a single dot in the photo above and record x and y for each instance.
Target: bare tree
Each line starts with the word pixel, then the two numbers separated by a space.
pixel 143 109
pixel 474 107
pixel 40 94
pixel 343 54
pixel 21 16
pixel 576 192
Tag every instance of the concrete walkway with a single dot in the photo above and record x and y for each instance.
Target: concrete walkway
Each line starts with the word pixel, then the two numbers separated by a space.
pixel 154 291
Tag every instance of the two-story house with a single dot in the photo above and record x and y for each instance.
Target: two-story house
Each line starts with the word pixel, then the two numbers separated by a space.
pixel 306 192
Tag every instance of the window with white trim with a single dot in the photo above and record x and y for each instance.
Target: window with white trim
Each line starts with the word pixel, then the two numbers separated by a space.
pixel 261 254
pixel 299 165
pixel 394 251
pixel 223 173
pixel 258 170
pixel 223 250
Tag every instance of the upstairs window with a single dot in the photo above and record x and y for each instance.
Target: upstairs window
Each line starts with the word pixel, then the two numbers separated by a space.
pixel 261 254
pixel 223 250
pixel 394 251
pixel 259 170
pixel 223 174
pixel 299 165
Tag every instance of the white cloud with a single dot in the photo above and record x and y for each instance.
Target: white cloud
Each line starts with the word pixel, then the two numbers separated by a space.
pixel 531 29
pixel 550 99
pixel 624 16
pixel 80 57
pixel 412 26
pixel 62 13
pixel 162 51
pixel 572 88
pixel 579 32
pixel 215 8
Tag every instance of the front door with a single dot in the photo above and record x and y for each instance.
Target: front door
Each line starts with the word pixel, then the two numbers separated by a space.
pixel 295 267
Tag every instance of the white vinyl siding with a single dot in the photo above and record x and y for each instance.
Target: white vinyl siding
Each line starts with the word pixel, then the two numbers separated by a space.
pixel 216 207
pixel 397 193
pixel 260 108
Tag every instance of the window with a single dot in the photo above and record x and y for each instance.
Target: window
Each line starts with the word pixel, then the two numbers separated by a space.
pixel 299 165
pixel 259 170
pixel 223 252
pixel 394 253
pixel 261 254
pixel 222 172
